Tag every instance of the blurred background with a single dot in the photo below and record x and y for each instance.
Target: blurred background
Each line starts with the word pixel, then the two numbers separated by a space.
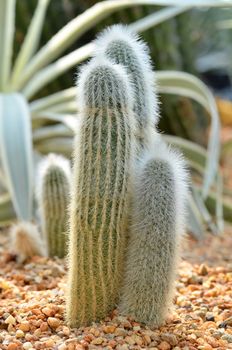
pixel 196 109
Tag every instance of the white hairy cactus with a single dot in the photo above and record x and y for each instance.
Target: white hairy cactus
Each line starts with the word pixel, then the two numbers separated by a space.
pixel 53 190
pixel 159 196
pixel 26 241
pixel 122 46
pixel 100 187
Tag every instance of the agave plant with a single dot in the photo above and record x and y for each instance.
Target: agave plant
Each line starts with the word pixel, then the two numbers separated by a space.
pixel 30 126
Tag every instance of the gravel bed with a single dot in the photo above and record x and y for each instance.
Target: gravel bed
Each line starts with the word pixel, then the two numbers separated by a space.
pixel 32 306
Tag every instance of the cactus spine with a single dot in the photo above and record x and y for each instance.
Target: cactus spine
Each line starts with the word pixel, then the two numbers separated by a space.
pixel 99 192
pixel 124 47
pixel 158 210
pixel 53 198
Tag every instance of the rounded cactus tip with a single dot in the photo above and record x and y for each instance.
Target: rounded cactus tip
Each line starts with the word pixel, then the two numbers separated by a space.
pixel 101 84
pixel 122 33
pixel 54 160
pixel 48 163
pixel 26 241
pixel 123 46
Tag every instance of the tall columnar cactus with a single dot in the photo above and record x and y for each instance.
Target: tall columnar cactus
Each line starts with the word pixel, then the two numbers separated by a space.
pixel 99 200
pixel 53 198
pixel 124 47
pixel 158 211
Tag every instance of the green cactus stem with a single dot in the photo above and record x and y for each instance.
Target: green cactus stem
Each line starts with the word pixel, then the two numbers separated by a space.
pixel 98 219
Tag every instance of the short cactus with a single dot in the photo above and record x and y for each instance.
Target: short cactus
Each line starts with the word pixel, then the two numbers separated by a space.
pixel 124 47
pixel 158 211
pixel 53 197
pixel 26 241
pixel 99 192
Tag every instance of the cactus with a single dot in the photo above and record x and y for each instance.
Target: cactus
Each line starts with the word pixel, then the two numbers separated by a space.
pixel 124 47
pixel 98 218
pixel 26 241
pixel 53 198
pixel 158 211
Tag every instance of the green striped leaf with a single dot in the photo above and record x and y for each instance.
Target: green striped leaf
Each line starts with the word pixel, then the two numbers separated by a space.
pixel 16 152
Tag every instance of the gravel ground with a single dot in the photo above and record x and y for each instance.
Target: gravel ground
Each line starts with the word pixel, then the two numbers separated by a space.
pixel 32 306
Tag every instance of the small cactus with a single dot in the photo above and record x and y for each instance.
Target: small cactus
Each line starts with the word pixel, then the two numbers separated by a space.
pixel 158 212
pixel 26 241
pixel 53 198
pixel 122 46
pixel 99 192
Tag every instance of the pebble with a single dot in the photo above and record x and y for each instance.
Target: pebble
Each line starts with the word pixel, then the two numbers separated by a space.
pixel 169 338
pixel 44 327
pixel 217 334
pixel 108 329
pixel 27 346
pixel 62 347
pixel 12 346
pixel 53 322
pixel 228 321
pixel 227 337
pixel 203 270
pixel 24 326
pixel 10 320
pixel 122 347
pixel 164 346
pixel 19 333
pixel 97 341
pixel 120 332
pixel 48 311
pixel 209 316
pixel 130 340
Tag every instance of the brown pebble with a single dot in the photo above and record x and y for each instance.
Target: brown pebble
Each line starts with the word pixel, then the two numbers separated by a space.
pixel 170 338
pixel 53 322
pixel 24 326
pixel 48 311
pixel 164 346
pixel 97 341
pixel 120 332
pixel 203 270
pixel 12 346
pixel 49 343
pixel 44 327
pixel 108 329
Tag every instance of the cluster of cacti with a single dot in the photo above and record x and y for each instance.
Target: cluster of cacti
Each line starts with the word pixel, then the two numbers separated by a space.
pixel 100 188
pixel 53 189
pixel 52 192
pixel 128 193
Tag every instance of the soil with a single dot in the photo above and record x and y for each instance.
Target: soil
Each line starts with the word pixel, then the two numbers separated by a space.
pixel 32 305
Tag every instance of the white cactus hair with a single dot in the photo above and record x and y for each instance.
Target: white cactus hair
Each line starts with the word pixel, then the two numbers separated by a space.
pixel 102 62
pixel 26 241
pixel 100 190
pixel 159 150
pixel 123 33
pixel 52 192
pixel 52 159
pixel 120 71
pixel 159 195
